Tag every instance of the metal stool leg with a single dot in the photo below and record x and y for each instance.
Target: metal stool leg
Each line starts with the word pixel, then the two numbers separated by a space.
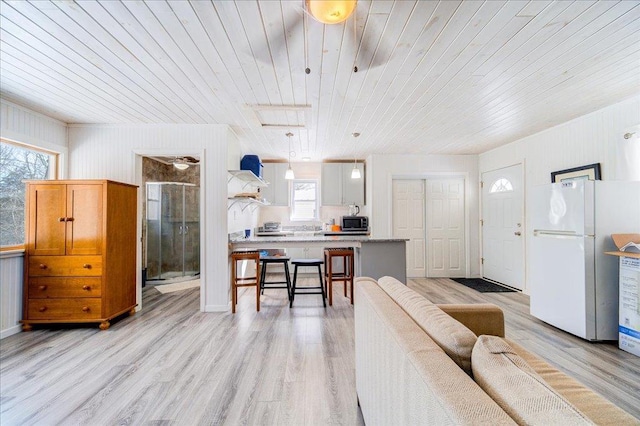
pixel 288 279
pixel 324 302
pixel 293 288
pixel 263 276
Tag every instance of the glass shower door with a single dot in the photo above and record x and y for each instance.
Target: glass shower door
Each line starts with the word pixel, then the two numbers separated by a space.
pixel 173 230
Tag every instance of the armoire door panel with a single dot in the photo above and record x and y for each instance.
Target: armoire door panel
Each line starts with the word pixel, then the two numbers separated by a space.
pixel 84 226
pixel 47 223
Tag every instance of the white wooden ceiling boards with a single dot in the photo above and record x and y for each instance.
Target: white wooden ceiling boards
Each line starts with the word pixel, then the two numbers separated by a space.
pixel 449 77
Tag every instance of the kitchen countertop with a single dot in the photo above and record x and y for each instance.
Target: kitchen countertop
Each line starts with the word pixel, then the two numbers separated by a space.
pixel 315 239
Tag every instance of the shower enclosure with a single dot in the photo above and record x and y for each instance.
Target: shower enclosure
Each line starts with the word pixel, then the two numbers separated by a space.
pixel 172 230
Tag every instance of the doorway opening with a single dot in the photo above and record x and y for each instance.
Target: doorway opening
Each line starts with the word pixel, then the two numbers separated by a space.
pixel 170 221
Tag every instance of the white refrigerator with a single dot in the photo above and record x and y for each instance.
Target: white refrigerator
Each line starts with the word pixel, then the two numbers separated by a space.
pixel 573 284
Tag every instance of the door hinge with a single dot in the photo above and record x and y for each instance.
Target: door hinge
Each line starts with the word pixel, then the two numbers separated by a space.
pixel 482 259
pixel 481 222
pixel 481 184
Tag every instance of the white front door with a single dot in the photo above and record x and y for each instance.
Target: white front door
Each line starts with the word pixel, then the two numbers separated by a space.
pixel 408 222
pixel 445 228
pixel 503 226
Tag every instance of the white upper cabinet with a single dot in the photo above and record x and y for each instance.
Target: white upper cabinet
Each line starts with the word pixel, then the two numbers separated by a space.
pixel 338 189
pixel 277 193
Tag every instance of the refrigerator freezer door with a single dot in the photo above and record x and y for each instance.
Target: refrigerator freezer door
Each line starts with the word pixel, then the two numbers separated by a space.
pixel 564 206
pixel 562 283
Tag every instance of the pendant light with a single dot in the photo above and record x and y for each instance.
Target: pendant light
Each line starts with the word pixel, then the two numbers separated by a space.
pixel 355 173
pixel 289 173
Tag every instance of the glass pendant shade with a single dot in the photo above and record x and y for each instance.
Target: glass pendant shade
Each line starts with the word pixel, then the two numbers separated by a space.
pixel 288 175
pixel 355 173
pixel 331 11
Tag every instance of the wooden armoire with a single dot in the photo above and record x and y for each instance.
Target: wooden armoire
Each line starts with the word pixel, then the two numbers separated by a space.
pixel 80 260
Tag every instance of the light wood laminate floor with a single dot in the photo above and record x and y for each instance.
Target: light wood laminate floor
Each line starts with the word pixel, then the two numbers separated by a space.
pixel 171 364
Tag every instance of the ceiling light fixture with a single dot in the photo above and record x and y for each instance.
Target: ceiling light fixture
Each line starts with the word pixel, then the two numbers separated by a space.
pixel 288 175
pixel 331 11
pixel 355 173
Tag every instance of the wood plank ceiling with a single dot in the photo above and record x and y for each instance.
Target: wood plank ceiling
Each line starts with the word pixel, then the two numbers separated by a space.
pixel 448 77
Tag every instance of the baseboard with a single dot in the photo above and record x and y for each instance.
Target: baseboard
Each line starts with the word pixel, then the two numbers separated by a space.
pixel 217 308
pixel 10 331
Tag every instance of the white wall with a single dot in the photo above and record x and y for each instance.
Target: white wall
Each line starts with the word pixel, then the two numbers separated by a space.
pixel 22 125
pixel 593 138
pixel 382 169
pixel 114 152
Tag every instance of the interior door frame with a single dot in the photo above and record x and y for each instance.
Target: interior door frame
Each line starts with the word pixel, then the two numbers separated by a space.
pixel 138 154
pixel 525 265
pixel 431 176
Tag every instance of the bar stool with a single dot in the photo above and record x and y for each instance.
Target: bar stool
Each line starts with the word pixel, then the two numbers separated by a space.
pixel 274 260
pixel 306 263
pixel 246 281
pixel 347 270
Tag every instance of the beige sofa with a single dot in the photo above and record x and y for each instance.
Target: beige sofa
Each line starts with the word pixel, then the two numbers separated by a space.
pixel 416 363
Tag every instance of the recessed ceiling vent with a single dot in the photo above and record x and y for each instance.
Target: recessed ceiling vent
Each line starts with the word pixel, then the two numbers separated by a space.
pixel 283 116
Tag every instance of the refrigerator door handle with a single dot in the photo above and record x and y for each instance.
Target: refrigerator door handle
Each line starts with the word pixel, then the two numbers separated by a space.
pixel 537 232
pixel 559 234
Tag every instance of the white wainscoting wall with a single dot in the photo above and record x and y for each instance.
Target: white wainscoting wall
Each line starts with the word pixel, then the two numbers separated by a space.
pixel 11 264
pixel 592 138
pixel 22 125
pixel 382 169
pixel 114 152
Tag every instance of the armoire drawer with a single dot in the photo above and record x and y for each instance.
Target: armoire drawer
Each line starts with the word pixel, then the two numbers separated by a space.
pixel 60 287
pixel 60 266
pixel 65 309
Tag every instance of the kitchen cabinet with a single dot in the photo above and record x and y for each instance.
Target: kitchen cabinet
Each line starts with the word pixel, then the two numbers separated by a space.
pixel 338 189
pixel 80 259
pixel 277 193
pixel 304 253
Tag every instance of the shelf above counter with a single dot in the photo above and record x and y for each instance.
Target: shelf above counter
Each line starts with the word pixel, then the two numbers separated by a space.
pixel 247 201
pixel 248 177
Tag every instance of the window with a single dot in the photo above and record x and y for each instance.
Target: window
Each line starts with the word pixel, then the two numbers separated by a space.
pixel 501 185
pixel 304 200
pixel 18 163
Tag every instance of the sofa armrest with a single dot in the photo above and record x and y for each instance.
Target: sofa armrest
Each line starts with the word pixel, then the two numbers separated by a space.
pixel 481 318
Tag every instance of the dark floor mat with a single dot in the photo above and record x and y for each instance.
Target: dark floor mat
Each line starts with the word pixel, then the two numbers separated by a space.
pixel 483 286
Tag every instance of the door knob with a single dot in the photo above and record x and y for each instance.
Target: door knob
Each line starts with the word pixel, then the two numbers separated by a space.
pixel 518 233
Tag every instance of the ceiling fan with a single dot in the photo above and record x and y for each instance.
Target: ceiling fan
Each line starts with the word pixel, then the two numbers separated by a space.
pixel 327 12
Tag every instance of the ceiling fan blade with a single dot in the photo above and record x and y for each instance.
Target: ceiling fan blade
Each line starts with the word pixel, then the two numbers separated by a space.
pixel 276 37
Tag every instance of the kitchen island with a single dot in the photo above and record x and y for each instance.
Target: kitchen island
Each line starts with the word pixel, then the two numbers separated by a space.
pixel 374 257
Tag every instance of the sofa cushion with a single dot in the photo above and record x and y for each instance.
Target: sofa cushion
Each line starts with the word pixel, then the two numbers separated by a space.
pixel 517 388
pixel 455 339
pixel 594 406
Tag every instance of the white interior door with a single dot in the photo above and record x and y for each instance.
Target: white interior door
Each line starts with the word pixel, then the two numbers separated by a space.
pixel 503 226
pixel 408 222
pixel 445 228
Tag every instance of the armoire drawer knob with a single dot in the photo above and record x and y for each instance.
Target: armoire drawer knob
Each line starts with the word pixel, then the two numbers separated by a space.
pixel 85 309
pixel 42 287
pixel 43 266
pixel 86 287
pixel 42 308
pixel 86 266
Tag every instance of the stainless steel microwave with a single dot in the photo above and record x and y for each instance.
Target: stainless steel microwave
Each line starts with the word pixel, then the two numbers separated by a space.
pixel 355 223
